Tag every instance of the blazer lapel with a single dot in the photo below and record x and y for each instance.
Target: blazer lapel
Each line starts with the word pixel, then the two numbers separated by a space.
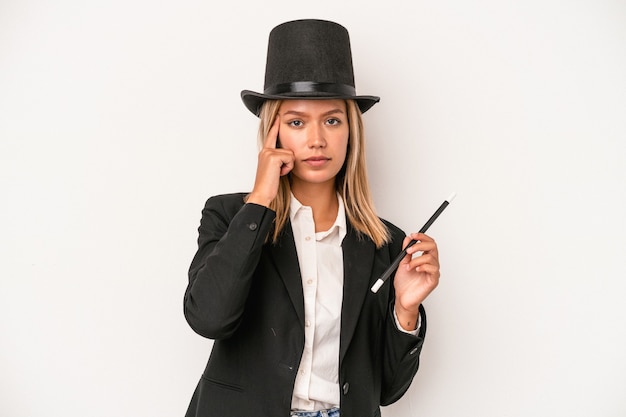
pixel 358 258
pixel 285 258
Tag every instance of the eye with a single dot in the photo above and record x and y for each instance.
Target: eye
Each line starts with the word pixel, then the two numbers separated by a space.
pixel 295 123
pixel 333 122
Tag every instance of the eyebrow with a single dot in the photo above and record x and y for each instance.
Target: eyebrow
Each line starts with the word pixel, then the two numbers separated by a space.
pixel 328 113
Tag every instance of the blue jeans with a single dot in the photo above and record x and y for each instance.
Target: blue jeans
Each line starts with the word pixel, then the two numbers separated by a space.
pixel 333 412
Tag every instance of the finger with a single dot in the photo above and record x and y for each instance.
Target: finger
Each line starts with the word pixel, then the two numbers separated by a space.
pixel 408 240
pixel 424 247
pixel 407 258
pixel 423 243
pixel 421 237
pixel 287 165
pixel 431 270
pixel 272 135
pixel 426 259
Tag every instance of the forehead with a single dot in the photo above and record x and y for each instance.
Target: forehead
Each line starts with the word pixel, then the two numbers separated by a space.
pixel 312 106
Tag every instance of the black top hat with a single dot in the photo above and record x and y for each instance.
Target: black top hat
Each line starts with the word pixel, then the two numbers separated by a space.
pixel 308 59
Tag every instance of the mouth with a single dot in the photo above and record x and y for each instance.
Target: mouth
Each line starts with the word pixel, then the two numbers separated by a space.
pixel 316 160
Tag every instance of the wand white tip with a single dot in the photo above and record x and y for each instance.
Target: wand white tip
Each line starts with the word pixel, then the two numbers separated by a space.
pixel 449 199
pixel 377 286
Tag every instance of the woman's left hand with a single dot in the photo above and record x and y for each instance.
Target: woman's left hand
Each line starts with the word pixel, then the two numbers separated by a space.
pixel 415 278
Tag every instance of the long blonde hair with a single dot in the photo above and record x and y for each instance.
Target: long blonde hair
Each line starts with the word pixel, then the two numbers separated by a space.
pixel 351 181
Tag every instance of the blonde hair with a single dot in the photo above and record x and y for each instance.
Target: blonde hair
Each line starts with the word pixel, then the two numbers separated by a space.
pixel 351 181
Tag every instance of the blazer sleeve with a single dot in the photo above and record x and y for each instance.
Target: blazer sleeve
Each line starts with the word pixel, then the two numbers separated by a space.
pixel 401 358
pixel 401 350
pixel 230 243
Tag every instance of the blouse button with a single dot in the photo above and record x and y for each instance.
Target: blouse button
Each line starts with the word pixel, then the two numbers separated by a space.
pixel 252 226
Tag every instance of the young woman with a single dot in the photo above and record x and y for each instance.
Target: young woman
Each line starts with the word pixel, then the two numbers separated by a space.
pixel 282 276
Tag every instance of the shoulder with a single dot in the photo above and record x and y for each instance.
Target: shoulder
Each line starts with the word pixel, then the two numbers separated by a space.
pixel 396 235
pixel 394 230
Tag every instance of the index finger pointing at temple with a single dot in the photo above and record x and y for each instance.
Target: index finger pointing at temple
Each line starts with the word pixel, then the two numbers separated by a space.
pixel 272 135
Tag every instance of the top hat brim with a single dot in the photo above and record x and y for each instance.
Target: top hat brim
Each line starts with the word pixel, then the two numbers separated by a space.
pixel 253 100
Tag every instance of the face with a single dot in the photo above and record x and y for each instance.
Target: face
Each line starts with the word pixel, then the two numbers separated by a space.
pixel 317 132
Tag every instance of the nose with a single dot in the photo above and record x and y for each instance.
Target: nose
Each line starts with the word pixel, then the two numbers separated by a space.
pixel 315 137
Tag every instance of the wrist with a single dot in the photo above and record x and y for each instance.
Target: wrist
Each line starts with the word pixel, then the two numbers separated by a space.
pixel 259 199
pixel 407 318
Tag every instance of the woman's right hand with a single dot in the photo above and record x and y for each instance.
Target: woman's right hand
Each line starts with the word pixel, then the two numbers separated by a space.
pixel 273 163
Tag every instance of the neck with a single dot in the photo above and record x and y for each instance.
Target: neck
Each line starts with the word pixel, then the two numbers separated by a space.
pixel 322 198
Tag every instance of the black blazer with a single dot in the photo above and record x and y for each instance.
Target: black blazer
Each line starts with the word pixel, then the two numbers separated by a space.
pixel 247 295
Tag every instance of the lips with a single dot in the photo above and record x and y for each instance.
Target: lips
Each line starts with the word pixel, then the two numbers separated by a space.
pixel 316 160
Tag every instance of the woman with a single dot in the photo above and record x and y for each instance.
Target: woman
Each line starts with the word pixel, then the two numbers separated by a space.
pixel 282 274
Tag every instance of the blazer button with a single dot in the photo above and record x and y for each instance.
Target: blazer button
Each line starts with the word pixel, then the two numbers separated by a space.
pixel 346 388
pixel 252 226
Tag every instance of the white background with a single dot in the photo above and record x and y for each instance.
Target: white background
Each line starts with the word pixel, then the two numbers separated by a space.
pixel 119 118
